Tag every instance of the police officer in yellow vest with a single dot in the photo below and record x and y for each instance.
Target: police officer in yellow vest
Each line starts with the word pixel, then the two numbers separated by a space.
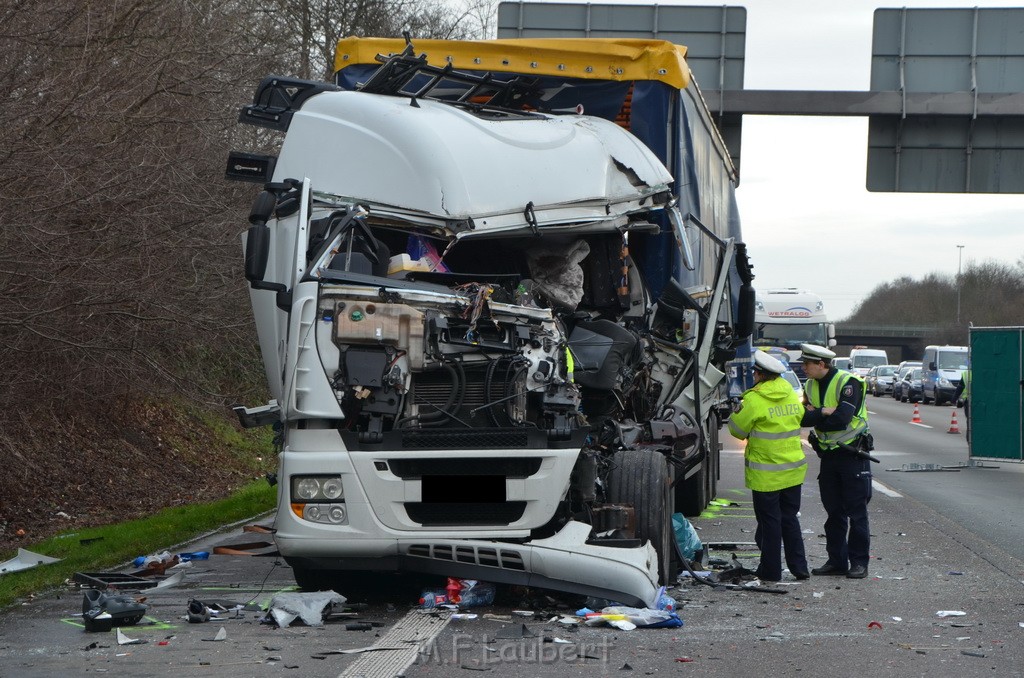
pixel 769 420
pixel 836 407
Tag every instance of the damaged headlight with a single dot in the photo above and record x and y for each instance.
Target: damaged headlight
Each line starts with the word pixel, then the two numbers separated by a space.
pixel 319 498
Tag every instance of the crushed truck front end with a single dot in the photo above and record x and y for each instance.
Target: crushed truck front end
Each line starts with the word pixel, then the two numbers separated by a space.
pixel 469 376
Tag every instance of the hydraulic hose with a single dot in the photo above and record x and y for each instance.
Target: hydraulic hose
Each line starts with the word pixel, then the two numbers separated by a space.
pixel 440 414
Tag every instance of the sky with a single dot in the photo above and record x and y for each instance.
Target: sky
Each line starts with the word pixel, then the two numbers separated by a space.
pixel 807 219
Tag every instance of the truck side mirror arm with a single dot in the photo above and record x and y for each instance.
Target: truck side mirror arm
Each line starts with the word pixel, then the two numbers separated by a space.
pixel 257 249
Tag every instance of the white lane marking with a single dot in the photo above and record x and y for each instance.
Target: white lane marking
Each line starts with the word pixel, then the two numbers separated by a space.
pixel 887 491
pixel 914 423
pixel 400 647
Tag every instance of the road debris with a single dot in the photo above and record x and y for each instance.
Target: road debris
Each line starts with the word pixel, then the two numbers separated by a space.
pixel 310 607
pixel 25 560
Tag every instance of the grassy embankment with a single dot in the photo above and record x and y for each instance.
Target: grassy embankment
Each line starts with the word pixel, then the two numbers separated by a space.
pixel 101 548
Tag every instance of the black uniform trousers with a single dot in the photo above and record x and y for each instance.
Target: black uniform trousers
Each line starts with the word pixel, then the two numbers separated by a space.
pixel 778 528
pixel 845 485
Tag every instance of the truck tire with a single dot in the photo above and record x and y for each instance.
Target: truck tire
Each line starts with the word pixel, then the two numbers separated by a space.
pixel 642 479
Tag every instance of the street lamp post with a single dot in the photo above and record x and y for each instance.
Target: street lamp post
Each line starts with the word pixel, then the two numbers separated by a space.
pixel 959 261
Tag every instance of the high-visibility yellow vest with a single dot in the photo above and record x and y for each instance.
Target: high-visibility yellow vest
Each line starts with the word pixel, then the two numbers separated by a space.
pixel 829 440
pixel 770 422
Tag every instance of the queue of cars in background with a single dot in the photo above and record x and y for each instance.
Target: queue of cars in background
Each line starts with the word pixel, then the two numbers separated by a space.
pixel 880 379
pixel 908 387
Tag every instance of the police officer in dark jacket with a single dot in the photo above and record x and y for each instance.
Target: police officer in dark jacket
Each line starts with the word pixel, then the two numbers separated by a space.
pixel 836 408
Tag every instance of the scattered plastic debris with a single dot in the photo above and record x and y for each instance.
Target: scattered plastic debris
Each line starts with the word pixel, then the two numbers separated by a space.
pixel 897 619
pixel 874 625
pixel 221 635
pixel 171 581
pixel 197 612
pixel 686 537
pixel 629 618
pixel 122 639
pixel 165 559
pixel 950 613
pixel 463 593
pixel 102 612
pixel 25 560
pixel 287 607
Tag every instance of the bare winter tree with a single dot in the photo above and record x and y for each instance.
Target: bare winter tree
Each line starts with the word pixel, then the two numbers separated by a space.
pixel 120 258
pixel 118 248
pixel 310 28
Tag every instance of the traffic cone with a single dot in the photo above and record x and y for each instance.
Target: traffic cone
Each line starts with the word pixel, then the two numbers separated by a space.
pixel 917 416
pixel 953 426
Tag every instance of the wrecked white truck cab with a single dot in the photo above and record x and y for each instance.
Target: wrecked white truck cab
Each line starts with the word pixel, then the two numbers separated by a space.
pixel 470 373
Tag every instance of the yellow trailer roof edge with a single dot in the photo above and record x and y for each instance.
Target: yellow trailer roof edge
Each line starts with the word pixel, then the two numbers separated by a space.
pixel 586 58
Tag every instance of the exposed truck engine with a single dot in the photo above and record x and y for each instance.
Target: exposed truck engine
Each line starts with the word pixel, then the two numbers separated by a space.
pixel 494 339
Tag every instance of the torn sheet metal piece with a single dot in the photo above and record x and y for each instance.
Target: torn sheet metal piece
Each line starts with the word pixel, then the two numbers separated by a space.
pixel 25 560
pixel 221 635
pixel 122 639
pixel 171 581
pixel 287 607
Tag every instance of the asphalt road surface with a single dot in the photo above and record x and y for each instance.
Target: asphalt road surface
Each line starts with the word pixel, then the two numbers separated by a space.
pixel 943 542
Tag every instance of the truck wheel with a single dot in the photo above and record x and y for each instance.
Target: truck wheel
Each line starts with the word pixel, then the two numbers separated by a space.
pixel 642 479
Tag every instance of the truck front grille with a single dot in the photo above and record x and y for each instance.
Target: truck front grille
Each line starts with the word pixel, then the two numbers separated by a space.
pixel 465 513
pixel 465 438
pixel 509 467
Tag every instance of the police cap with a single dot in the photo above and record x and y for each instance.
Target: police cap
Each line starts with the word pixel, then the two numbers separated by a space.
pixel 766 363
pixel 814 353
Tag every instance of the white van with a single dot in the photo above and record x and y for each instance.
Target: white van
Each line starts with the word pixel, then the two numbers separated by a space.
pixel 863 359
pixel 942 368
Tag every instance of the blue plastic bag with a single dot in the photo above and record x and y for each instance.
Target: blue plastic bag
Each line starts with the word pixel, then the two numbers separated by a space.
pixel 686 536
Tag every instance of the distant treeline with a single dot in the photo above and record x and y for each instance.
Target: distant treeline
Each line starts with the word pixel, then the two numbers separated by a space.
pixel 991 294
